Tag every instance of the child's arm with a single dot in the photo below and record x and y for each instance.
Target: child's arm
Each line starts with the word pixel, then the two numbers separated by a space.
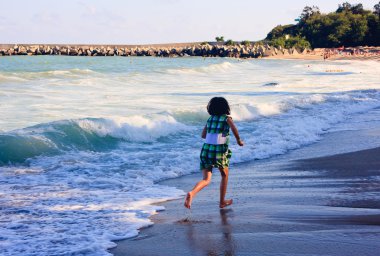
pixel 235 131
pixel 204 132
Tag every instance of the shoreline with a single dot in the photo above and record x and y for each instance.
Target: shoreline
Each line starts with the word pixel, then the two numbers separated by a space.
pixel 299 204
pixel 206 49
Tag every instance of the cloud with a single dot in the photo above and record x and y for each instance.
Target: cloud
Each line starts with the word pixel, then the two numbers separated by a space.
pixel 103 17
pixel 46 18
pixel 2 22
pixel 170 1
pixel 89 9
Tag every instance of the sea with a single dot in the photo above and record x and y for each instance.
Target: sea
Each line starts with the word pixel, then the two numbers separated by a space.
pixel 84 141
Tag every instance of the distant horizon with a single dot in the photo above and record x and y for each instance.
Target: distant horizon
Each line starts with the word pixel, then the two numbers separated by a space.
pixel 149 22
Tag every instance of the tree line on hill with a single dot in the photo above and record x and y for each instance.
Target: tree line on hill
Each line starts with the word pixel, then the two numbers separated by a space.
pixel 350 25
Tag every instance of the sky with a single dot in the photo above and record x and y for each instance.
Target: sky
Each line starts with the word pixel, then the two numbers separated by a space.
pixel 148 21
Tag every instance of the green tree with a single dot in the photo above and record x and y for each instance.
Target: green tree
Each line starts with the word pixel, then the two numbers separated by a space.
pixel 373 35
pixel 278 42
pixel 309 11
pixel 246 42
pixel 298 42
pixel 357 9
pixel 345 7
pixel 358 31
pixel 219 38
pixel 293 41
pixel 230 42
pixel 280 30
pixel 349 25
pixel 377 9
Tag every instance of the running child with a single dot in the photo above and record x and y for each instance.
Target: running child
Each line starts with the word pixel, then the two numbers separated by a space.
pixel 215 152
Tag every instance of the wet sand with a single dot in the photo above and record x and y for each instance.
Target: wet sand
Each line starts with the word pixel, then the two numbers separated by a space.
pixel 320 57
pixel 318 206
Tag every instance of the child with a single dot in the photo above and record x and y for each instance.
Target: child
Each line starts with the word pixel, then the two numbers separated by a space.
pixel 215 151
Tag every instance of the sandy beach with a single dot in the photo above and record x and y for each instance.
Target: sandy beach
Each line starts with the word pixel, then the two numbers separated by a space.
pixel 289 205
pixel 320 57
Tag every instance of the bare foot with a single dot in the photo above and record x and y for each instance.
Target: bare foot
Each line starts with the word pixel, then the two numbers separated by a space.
pixel 225 203
pixel 189 198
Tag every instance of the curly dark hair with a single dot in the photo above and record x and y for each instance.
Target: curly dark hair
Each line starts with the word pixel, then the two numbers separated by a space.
pixel 218 106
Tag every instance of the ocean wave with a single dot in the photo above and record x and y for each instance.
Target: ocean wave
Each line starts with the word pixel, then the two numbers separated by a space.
pixel 302 120
pixel 95 196
pixel 5 77
pixel 305 120
pixel 30 75
pixel 252 111
pixel 95 134
pixel 214 68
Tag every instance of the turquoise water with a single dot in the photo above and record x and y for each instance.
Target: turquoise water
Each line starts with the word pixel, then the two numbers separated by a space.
pixel 83 141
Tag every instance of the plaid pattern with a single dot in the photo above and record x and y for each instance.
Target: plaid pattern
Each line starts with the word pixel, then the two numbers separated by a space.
pixel 218 124
pixel 216 155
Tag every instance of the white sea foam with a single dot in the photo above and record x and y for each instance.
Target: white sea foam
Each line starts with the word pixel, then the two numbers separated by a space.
pixel 134 128
pixel 10 78
pixel 65 73
pixel 215 68
pixel 303 124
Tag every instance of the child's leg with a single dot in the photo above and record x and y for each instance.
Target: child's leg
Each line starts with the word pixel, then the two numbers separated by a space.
pixel 223 188
pixel 198 187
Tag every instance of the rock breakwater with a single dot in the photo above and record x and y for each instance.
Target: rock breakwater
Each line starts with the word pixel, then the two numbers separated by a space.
pixel 176 50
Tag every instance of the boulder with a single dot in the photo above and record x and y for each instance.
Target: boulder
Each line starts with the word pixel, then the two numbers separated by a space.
pixel 295 52
pixel 55 50
pixel 279 52
pixel 22 50
pixel 151 52
pixel 132 52
pixel 73 51
pixel 269 53
pixel 64 51
pixel 244 52
pixel 261 49
pixel 10 51
pixel 46 50
pixel 110 52
pixel 39 50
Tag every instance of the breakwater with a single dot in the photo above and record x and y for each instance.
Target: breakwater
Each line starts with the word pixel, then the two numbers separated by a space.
pixel 169 50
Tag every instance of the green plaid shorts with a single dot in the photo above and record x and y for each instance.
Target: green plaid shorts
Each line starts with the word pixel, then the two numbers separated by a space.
pixel 215 156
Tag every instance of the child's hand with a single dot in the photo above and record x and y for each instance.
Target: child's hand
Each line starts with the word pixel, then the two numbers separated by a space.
pixel 240 142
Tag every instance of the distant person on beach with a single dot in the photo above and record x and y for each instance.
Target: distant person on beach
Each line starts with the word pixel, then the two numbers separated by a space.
pixel 215 152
